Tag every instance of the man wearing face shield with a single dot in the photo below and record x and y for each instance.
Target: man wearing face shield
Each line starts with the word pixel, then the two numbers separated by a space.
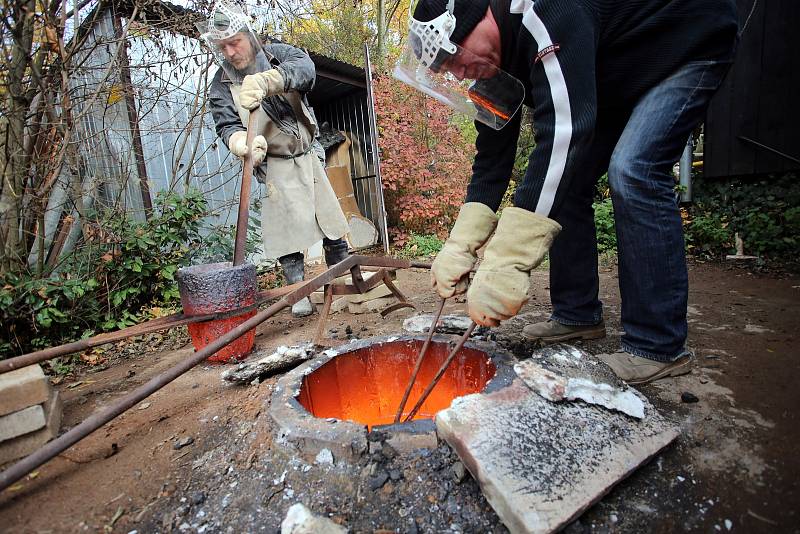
pixel 299 207
pixel 617 86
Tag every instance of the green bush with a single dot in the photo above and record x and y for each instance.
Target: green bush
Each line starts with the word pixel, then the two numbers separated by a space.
pixel 106 282
pixel 762 210
pixel 604 223
pixel 707 233
pixel 420 246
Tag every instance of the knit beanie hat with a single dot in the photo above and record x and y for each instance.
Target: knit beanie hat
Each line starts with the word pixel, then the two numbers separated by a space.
pixel 468 14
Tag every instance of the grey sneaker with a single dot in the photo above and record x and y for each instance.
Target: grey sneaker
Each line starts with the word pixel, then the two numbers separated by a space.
pixel 551 331
pixel 302 308
pixel 637 370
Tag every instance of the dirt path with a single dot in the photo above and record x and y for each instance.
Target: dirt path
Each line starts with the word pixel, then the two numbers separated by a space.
pixel 733 468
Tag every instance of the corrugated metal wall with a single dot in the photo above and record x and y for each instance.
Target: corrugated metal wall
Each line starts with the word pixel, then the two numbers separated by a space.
pixel 349 115
pixel 180 146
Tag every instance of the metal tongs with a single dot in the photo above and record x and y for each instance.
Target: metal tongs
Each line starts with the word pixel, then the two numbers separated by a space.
pixel 439 373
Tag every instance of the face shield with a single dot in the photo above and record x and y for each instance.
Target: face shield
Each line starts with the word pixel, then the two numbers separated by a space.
pixel 234 46
pixel 469 84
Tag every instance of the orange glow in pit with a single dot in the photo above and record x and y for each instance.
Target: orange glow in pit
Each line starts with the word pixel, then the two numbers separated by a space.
pixel 366 385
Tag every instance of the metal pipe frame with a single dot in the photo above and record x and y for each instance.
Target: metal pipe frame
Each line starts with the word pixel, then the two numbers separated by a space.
pixel 98 419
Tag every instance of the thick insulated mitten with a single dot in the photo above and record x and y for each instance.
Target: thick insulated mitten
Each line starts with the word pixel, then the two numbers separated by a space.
pixel 474 224
pixel 237 144
pixel 500 286
pixel 255 87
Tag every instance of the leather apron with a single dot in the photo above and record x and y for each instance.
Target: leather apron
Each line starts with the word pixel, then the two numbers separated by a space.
pixel 299 206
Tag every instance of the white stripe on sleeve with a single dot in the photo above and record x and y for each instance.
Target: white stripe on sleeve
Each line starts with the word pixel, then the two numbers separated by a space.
pixel 562 134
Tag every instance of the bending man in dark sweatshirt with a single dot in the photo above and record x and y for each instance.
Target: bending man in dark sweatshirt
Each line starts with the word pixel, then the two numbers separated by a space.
pixel 617 86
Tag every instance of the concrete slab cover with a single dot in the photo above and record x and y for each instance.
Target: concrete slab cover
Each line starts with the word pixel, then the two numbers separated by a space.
pixel 540 464
pixel 21 422
pixel 22 388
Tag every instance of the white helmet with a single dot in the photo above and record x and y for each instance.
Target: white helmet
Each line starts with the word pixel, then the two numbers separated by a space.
pixel 484 92
pixel 431 38
pixel 225 22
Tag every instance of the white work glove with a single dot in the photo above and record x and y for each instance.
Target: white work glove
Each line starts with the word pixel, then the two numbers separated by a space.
pixel 500 286
pixel 450 270
pixel 237 144
pixel 255 87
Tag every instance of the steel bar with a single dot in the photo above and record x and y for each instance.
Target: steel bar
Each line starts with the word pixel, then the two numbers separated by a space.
pixel 240 244
pixel 147 327
pixel 770 149
pixel 440 372
pixel 418 363
pixel 323 315
pixel 178 319
pixel 95 421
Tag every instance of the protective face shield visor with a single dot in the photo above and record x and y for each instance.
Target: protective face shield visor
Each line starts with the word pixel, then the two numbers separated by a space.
pixel 234 46
pixel 433 64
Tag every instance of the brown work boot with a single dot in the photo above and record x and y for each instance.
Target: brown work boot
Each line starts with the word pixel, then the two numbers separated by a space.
pixel 637 370
pixel 551 331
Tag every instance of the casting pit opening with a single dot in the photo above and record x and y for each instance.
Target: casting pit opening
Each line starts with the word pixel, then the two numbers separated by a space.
pixel 366 385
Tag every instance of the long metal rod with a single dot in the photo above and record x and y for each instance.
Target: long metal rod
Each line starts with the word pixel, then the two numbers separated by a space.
pixel 240 244
pixel 373 126
pixel 770 149
pixel 154 325
pixel 96 420
pixel 418 364
pixel 440 372
pixel 178 319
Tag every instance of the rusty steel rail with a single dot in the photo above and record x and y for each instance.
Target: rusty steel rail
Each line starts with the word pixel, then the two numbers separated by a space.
pixel 98 419
pixel 147 327
pixel 179 319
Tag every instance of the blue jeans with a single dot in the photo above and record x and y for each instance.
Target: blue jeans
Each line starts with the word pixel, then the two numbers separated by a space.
pixel 638 148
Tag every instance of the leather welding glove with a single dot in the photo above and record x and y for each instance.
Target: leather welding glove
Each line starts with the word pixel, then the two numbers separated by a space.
pixel 500 286
pixel 257 86
pixel 450 270
pixel 237 144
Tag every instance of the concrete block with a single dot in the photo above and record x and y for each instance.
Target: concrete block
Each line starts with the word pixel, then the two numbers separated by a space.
pixel 21 446
pixel 338 304
pixel 370 306
pixel 539 463
pixel 22 422
pixel 22 388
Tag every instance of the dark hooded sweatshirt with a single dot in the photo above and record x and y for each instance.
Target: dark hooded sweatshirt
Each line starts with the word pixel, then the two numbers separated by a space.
pixel 578 58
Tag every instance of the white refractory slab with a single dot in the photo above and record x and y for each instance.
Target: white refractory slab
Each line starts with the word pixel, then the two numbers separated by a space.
pixel 283 358
pixel 22 388
pixel 301 520
pixel 21 422
pixel 539 463
pixel 563 372
pixel 448 324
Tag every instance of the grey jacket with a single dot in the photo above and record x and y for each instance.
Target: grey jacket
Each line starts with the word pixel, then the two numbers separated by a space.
pixel 298 74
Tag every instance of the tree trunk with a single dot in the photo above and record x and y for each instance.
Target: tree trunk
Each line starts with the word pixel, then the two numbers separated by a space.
pixel 18 102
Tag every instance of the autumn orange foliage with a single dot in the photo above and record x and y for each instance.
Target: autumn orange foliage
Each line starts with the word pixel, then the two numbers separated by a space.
pixel 426 160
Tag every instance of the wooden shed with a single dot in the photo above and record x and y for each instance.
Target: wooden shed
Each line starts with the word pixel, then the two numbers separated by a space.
pixel 753 123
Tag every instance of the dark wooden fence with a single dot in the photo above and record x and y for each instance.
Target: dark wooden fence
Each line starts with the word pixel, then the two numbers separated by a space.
pixel 753 124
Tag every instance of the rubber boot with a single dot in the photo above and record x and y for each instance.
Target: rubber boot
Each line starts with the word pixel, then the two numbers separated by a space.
pixel 294 271
pixel 335 251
